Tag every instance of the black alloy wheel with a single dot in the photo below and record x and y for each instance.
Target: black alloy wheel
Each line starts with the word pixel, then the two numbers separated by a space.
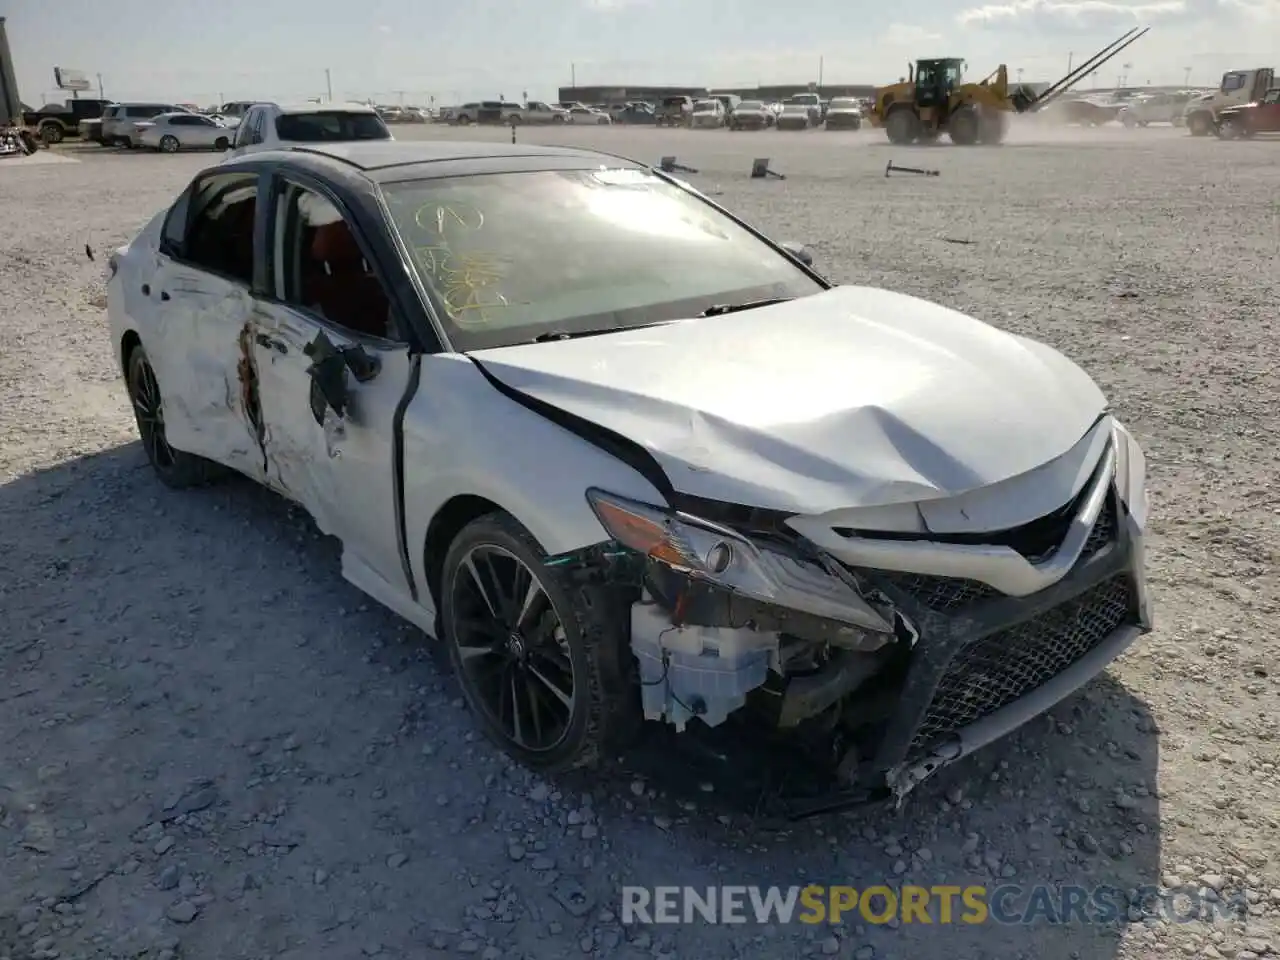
pixel 512 648
pixel 175 468
pixel 542 659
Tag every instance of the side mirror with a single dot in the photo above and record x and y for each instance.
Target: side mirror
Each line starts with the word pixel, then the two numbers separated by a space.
pixel 799 251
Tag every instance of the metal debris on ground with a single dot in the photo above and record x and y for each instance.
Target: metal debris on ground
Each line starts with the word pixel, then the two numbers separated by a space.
pixel 890 168
pixel 760 170
pixel 670 165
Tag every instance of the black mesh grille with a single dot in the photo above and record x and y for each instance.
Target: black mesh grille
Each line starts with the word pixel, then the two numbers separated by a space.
pixel 994 671
pixel 949 594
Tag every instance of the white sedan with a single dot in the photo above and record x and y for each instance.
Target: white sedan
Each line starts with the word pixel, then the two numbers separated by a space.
pixel 630 461
pixel 171 132
pixel 585 115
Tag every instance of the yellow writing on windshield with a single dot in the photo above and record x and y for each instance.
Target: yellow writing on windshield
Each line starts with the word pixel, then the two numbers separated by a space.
pixel 448 217
pixel 464 282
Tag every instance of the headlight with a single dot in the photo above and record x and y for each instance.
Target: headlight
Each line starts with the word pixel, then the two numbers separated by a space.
pixel 1131 473
pixel 710 552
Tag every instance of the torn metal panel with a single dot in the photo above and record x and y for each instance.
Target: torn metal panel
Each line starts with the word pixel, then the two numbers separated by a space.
pixel 191 324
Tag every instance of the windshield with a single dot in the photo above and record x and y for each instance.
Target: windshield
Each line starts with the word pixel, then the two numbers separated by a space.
pixel 751 105
pixel 704 105
pixel 794 108
pixel 506 257
pixel 330 125
pixel 843 103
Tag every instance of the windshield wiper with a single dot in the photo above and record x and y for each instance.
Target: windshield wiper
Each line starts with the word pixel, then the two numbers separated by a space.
pixel 719 309
pixel 553 335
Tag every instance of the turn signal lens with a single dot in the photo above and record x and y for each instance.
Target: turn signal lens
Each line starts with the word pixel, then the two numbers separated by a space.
pixel 644 531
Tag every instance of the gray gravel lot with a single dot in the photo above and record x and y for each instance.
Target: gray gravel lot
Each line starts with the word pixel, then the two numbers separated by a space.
pixel 212 747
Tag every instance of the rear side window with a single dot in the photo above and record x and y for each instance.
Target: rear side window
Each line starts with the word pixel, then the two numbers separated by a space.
pixel 147 112
pixel 330 125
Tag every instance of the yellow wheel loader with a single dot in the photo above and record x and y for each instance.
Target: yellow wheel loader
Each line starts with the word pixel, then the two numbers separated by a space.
pixel 934 99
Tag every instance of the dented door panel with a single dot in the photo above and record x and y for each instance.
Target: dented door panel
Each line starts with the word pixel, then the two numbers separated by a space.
pixel 199 322
pixel 341 470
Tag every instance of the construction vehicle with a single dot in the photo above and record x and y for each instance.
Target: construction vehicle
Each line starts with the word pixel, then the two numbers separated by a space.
pixel 934 99
pixel 1238 88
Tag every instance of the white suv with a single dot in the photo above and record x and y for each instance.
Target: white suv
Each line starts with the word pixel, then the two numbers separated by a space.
pixel 270 126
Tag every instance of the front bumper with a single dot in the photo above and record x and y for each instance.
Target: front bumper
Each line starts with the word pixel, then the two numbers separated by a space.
pixel 972 662
pixel 793 124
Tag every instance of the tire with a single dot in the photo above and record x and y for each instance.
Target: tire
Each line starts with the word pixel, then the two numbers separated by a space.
pixel 514 120
pixel 902 127
pixel 51 133
pixel 222 143
pixel 464 120
pixel 575 632
pixel 1230 129
pixel 1200 124
pixel 176 469
pixel 964 127
pixel 1129 123
pixel 557 119
pixel 169 144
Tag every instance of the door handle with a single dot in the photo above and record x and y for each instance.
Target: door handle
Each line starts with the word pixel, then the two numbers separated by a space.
pixel 146 289
pixel 271 344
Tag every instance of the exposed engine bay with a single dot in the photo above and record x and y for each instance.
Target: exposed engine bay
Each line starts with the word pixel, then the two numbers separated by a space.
pixel 880 676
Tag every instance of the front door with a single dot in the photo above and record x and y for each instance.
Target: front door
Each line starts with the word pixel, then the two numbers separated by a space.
pixel 329 303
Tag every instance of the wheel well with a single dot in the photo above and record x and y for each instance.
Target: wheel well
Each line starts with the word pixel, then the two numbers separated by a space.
pixel 128 343
pixel 445 525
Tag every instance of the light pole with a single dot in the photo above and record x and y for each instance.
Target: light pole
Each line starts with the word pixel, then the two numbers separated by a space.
pixel 1186 76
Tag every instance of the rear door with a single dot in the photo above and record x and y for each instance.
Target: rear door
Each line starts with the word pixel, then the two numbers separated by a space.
pixel 197 306
pixel 329 298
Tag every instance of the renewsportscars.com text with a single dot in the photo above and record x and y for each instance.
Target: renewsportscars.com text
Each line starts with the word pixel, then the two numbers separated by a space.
pixel 939 904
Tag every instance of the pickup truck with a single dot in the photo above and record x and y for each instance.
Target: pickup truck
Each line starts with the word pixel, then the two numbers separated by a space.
pixel 535 111
pixel 1250 119
pixel 54 122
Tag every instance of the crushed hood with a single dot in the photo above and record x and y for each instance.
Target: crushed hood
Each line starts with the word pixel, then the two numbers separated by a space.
pixel 853 397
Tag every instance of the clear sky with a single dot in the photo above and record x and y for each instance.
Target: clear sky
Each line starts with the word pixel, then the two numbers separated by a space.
pixel 279 49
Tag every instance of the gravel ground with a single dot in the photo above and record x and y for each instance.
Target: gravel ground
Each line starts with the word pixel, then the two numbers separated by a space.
pixel 212 747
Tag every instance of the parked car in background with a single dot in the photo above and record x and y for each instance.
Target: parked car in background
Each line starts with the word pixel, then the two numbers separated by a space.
pixel 585 116
pixel 535 111
pixel 234 110
pixel 90 130
pixel 751 115
pixel 172 132
pixel 1157 108
pixel 844 113
pixel 730 101
pixel 1250 119
pixel 55 122
pixel 118 121
pixel 797 116
pixel 675 112
pixel 811 102
pixel 637 113
pixel 1082 111
pixel 270 126
pixel 708 114
pixel 482 111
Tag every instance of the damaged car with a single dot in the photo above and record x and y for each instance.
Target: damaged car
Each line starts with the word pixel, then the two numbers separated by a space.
pixel 630 460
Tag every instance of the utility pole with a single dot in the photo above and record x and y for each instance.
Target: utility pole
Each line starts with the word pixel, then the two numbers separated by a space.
pixel 820 59
pixel 1071 55
pixel 1186 76
pixel 101 96
pixel 328 82
pixel 573 76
